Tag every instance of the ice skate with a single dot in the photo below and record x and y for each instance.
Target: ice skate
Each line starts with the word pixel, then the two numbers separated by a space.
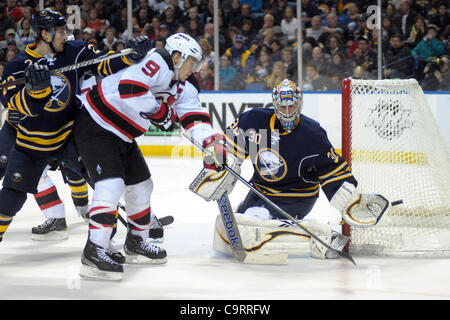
pixel 97 264
pixel 51 229
pixel 140 251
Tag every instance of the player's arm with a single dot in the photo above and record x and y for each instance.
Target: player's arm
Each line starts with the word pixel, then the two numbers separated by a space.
pixel 141 45
pixel 339 185
pixel 29 99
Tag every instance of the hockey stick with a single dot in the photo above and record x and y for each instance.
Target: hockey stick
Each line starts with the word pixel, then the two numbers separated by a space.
pixel 273 205
pixel 164 221
pixel 73 66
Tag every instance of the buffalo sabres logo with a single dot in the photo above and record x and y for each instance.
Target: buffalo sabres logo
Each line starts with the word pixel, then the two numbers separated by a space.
pixel 61 93
pixel 270 165
pixel 17 177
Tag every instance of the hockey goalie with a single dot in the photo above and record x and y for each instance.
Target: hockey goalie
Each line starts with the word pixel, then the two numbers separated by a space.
pixel 292 160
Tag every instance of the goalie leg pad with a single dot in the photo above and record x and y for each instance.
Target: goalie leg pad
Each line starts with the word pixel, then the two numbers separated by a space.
pixel 263 236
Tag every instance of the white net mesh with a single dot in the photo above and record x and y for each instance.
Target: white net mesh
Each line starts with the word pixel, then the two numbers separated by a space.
pixel 398 151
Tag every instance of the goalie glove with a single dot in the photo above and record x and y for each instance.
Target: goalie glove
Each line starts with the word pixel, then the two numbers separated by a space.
pixel 359 210
pixel 165 117
pixel 216 157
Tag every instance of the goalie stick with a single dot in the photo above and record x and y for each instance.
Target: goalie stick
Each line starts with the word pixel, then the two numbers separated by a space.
pixel 343 254
pixel 71 67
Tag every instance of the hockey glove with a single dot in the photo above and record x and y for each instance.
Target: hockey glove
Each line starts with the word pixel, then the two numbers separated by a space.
pixel 37 81
pixel 141 45
pixel 359 210
pixel 164 118
pixel 216 158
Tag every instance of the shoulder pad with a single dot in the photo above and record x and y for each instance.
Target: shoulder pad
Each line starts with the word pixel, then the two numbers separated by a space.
pixel 167 58
pixel 194 82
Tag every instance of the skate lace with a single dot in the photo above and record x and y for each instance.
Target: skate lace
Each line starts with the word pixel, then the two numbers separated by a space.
pixel 47 222
pixel 103 255
pixel 150 247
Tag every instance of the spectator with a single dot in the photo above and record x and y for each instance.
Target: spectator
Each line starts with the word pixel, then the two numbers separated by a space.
pixel 289 24
pixel 194 28
pixel 94 21
pixel 24 33
pixel 289 62
pixel 143 17
pixel 275 50
pixel 6 22
pixel 169 19
pixel 159 43
pixel 262 69
pixel 350 18
pixel 269 23
pixel 250 34
pixel 364 56
pixel 209 33
pixel 208 52
pixel 192 14
pixel 433 76
pixel 427 48
pixel 256 5
pixel 319 60
pixel 445 72
pixel 227 74
pixel 278 8
pixel 60 7
pixel 399 62
pixel 309 10
pixel 333 45
pixel 205 77
pixel 404 18
pixel 87 34
pixel 119 45
pixel 337 70
pixel 109 41
pixel 177 11
pixel 234 13
pixel 360 73
pixel 239 53
pixel 331 26
pixel 313 80
pixel 164 32
pixel 442 18
pixel 417 32
pixel 315 30
pixel 278 74
pixel 85 9
pixel 13 10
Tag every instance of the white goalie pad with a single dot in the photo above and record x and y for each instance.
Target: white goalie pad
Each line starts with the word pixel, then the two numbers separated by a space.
pixel 274 236
pixel 211 185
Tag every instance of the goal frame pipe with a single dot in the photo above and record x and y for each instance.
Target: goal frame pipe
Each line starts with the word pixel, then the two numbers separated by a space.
pixel 346 104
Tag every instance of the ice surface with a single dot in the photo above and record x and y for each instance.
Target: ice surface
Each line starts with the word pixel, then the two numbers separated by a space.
pixel 49 270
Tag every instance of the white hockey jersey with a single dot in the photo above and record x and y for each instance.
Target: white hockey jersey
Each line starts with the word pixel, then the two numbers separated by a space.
pixel 117 101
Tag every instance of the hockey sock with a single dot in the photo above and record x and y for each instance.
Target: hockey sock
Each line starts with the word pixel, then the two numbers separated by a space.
pixel 79 189
pixel 48 199
pixel 137 203
pixel 102 218
pixel 4 224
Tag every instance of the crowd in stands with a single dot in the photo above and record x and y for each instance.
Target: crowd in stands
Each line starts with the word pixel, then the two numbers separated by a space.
pixel 258 38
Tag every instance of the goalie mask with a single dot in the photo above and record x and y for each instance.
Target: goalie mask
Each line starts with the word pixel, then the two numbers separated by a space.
pixel 287 101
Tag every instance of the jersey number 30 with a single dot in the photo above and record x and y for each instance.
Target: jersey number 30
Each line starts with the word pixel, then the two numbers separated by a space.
pixel 150 68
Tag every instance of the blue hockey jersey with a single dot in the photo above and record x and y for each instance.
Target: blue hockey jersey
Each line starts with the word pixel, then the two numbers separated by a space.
pixel 287 165
pixel 47 122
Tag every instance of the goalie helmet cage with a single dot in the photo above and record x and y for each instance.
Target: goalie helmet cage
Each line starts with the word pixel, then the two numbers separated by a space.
pixel 394 147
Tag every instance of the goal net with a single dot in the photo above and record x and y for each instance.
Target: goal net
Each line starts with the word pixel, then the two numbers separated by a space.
pixel 394 146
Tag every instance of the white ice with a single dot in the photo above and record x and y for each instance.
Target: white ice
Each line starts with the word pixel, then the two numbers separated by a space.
pixel 49 270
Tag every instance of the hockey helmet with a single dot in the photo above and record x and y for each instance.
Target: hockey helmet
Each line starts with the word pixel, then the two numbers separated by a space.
pixel 284 95
pixel 186 46
pixel 46 19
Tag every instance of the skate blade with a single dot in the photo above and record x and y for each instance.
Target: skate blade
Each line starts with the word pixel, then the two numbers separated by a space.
pixel 89 272
pixel 140 259
pixel 51 236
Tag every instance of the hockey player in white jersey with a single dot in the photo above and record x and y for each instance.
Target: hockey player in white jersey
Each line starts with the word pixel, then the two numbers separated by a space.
pixel 159 89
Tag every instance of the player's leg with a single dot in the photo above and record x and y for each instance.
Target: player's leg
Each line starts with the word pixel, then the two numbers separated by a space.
pixel 101 157
pixel 139 187
pixel 7 142
pixel 21 177
pixel 54 227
